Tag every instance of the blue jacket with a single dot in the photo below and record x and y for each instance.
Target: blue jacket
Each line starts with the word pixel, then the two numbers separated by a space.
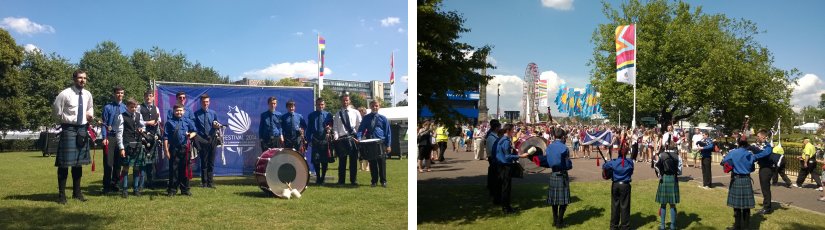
pixel 270 125
pixel 110 113
pixel 380 131
pixel 707 151
pixel 177 140
pixel 318 120
pixel 188 115
pixel 742 159
pixel 291 123
pixel 558 156
pixel 203 122
pixel 504 150
pixel 620 173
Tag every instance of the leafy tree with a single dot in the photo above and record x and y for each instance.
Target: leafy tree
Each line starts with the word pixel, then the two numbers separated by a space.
pixel 358 100
pixel 107 67
pixel 822 101
pixel 690 62
pixel 47 75
pixel 12 95
pixel 402 103
pixel 288 81
pixel 442 59
pixel 332 100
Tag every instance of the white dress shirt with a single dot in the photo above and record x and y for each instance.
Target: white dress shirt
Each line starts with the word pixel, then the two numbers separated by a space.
pixel 338 124
pixel 65 106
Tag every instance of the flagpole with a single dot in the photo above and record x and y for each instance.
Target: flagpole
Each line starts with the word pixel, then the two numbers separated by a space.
pixel 635 28
pixel 320 65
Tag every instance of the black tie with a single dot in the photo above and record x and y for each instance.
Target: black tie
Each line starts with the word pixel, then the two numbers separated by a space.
pixel 80 108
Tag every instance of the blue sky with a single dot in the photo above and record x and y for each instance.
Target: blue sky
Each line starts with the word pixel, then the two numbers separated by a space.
pixel 254 39
pixel 556 34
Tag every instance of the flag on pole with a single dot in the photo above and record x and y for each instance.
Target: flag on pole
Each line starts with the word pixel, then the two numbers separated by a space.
pixel 626 54
pixel 392 69
pixel 322 46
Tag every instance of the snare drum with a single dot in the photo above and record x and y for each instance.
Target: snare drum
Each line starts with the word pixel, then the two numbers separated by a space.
pixel 276 167
pixel 371 149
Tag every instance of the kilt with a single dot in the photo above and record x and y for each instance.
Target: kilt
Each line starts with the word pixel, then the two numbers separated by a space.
pixel 68 152
pixel 559 191
pixel 321 153
pixel 135 156
pixel 740 194
pixel 668 192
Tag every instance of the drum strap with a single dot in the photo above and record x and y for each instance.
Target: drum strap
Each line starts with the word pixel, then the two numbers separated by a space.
pixel 345 119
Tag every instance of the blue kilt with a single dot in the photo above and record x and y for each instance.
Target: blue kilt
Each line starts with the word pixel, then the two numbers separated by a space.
pixel 69 154
pixel 559 191
pixel 668 192
pixel 740 194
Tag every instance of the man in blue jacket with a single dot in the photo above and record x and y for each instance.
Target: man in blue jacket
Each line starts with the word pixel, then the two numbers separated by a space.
pixel 558 158
pixel 740 194
pixel 706 151
pixel 622 168
pixel 319 133
pixel 206 124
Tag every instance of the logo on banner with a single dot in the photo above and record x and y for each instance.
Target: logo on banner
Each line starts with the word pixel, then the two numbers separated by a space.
pixel 239 123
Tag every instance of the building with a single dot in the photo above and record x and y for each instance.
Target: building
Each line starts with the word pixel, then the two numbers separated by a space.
pixel 368 89
pixel 466 105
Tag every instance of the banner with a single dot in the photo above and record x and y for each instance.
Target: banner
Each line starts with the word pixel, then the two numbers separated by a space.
pixel 626 54
pixel 239 108
pixel 601 138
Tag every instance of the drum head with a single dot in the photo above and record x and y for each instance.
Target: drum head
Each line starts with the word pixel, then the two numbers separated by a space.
pixel 371 140
pixel 287 167
pixel 539 145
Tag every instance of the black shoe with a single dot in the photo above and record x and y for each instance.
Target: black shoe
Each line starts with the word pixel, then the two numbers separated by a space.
pixel 124 194
pixel 170 193
pixel 212 186
pixel 115 189
pixel 372 185
pixel 61 199
pixel 79 196
pixel 186 193
pixel 509 210
pixel 137 193
pixel 105 191
pixel 204 185
pixel 353 184
pixel 341 183
pixel 384 185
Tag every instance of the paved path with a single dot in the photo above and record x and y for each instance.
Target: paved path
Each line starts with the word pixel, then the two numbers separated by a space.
pixel 461 168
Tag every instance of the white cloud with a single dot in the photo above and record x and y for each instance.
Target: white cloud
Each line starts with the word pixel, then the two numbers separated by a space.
pixel 306 69
pixel 512 88
pixel 31 48
pixel 558 4
pixel 359 45
pixel 299 33
pixel 25 26
pixel 400 30
pixel 807 91
pixel 390 21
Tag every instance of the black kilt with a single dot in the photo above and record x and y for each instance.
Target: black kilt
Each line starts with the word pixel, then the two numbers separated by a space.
pixel 740 194
pixel 668 192
pixel 321 152
pixel 559 191
pixel 69 154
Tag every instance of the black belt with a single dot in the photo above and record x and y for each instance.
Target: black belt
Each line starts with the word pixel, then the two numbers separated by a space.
pixel 621 182
pixel 63 125
pixel 741 175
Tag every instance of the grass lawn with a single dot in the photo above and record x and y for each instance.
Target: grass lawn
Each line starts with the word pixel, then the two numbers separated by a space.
pixel 29 192
pixel 467 207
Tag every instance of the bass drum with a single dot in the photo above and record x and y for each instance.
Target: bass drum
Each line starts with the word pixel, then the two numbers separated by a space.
pixel 278 169
pixel 537 160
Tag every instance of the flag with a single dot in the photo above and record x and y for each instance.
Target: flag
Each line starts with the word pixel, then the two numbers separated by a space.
pixel 392 69
pixel 626 54
pixel 322 46
pixel 600 138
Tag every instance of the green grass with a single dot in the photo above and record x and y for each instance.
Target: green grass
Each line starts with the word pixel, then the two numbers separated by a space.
pixel 29 192
pixel 468 207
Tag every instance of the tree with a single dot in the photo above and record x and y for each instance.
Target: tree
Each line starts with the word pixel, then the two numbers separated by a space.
pixel 288 81
pixel 822 101
pixel 690 62
pixel 402 103
pixel 47 75
pixel 107 67
pixel 332 100
pixel 12 96
pixel 443 62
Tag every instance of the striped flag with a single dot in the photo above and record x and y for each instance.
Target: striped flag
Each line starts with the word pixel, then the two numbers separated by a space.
pixel 626 54
pixel 392 69
pixel 322 46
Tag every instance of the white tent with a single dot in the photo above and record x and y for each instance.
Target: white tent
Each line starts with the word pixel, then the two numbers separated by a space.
pixel 808 127
pixel 401 113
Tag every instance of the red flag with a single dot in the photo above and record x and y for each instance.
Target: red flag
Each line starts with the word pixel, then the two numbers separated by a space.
pixel 392 69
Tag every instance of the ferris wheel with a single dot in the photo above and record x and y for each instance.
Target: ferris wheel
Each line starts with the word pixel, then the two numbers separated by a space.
pixel 530 104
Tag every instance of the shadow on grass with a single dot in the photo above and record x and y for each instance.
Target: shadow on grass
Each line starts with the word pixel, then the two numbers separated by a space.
pixel 50 218
pixel 799 226
pixel 683 219
pixel 255 194
pixel 581 216
pixel 638 219
pixel 42 197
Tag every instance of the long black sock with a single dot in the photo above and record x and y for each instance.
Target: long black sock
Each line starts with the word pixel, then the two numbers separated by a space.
pixel 555 214
pixel 737 216
pixel 562 208
pixel 746 218
pixel 62 174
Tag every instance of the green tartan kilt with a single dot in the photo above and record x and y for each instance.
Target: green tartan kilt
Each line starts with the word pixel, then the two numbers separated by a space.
pixel 135 156
pixel 740 194
pixel 668 192
pixel 559 191
pixel 69 154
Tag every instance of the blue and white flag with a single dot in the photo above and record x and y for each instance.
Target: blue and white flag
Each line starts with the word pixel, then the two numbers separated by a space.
pixel 600 138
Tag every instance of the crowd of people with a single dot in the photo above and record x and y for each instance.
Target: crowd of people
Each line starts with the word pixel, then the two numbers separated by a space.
pixel 670 149
pixel 133 135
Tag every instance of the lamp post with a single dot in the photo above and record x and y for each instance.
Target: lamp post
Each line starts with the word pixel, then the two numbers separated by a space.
pixel 498 98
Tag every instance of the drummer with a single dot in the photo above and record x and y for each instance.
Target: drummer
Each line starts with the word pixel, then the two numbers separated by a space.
pixel 319 133
pixel 375 125
pixel 346 121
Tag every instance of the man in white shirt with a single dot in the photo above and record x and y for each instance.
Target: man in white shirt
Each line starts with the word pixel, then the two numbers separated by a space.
pixel 697 137
pixel 344 124
pixel 73 109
